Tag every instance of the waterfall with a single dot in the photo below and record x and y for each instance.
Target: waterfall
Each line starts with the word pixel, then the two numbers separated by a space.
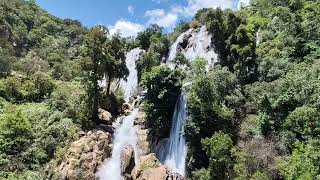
pixel 131 84
pixel 173 151
pixel 124 135
pixel 177 149
pixel 199 46
pixel 174 47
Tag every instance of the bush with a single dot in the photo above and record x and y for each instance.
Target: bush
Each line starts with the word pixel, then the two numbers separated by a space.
pixel 303 163
pixel 210 109
pixel 163 88
pixel 218 151
pixel 304 122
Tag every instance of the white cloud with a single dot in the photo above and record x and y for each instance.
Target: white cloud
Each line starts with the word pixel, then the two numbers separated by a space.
pixel 162 18
pixel 195 5
pixel 155 13
pixel 131 9
pixel 126 28
pixel 168 19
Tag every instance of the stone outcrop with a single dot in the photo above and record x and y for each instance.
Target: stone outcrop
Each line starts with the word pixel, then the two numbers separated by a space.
pixel 105 116
pixel 144 142
pixel 141 118
pixel 150 168
pixel 126 108
pixel 84 156
pixel 127 160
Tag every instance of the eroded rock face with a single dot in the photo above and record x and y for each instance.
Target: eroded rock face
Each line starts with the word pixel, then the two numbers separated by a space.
pixel 127 160
pixel 150 168
pixel 126 109
pixel 84 156
pixel 105 116
pixel 143 140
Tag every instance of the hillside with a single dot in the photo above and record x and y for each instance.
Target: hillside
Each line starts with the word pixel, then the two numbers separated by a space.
pixel 229 95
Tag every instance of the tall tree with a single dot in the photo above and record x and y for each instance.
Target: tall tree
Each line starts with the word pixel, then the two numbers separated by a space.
pixel 114 63
pixel 95 51
pixel 144 37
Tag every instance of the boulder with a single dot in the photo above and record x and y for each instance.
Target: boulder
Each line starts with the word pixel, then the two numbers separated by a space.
pixel 84 156
pixel 105 116
pixel 127 160
pixel 127 108
pixel 150 168
pixel 141 118
pixel 143 140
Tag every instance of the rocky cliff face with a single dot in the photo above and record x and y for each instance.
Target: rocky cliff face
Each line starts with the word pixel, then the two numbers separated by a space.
pixel 194 43
pixel 85 155
pixel 150 168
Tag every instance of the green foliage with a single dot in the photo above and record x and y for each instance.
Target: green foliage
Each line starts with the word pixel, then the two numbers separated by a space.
pixel 303 163
pixel 180 28
pixel 144 38
pixel 30 135
pixel 147 62
pixel 69 99
pixel 163 88
pixel 180 60
pixel 294 104
pixel 38 114
pixel 304 122
pixel 218 151
pixel 201 174
pixel 36 88
pixel 157 48
pixel 211 98
pixel 31 64
pixel 5 63
pixel 114 64
pixel 104 57
pixel 16 133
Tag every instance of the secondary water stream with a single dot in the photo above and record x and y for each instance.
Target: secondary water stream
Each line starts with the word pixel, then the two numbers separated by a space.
pixel 173 151
pixel 176 145
pixel 130 86
pixel 124 135
pixel 125 130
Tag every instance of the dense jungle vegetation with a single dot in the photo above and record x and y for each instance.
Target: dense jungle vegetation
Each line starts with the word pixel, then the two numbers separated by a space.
pixel 254 115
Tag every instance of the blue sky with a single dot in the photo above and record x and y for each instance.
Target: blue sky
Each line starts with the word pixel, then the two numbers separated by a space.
pixel 131 16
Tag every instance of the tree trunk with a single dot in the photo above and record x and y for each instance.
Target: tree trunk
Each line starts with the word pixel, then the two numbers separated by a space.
pixel 95 107
pixel 109 85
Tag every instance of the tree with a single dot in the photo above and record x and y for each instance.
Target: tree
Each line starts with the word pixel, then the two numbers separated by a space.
pixel 15 134
pixel 95 51
pixel 218 151
pixel 163 88
pixel 180 60
pixel 146 62
pixel 114 63
pixel 303 163
pixel 43 86
pixel 304 122
pixel 144 37
pixel 4 64
pixel 210 108
pixel 242 50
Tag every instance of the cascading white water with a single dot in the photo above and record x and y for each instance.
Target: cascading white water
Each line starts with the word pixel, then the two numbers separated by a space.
pixel 199 46
pixel 177 149
pixel 174 47
pixel 173 151
pixel 131 84
pixel 124 135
